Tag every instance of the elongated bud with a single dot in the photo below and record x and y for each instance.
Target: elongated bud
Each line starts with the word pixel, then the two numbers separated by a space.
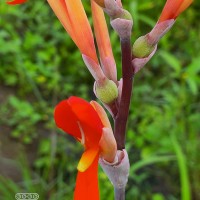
pixel 106 92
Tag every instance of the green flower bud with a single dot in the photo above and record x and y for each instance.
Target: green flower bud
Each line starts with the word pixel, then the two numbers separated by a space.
pixel 142 48
pixel 107 92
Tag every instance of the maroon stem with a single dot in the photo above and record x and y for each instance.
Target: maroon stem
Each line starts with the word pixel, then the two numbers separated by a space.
pixel 127 75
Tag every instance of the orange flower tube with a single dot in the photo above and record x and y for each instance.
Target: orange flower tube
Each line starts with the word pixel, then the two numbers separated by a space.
pixel 173 8
pixel 73 17
pixel 103 42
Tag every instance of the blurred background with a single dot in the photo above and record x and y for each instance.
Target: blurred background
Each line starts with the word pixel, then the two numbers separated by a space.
pixel 40 65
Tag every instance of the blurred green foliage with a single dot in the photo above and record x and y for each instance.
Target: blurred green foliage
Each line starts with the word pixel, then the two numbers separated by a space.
pixel 40 65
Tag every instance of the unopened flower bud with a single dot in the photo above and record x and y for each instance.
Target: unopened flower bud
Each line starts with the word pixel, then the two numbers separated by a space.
pixel 142 47
pixel 106 92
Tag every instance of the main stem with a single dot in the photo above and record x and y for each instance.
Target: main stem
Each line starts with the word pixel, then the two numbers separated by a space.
pixel 120 193
pixel 127 75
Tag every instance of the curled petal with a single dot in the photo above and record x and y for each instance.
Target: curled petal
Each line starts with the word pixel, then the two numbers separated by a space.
pixel 102 114
pixel 66 119
pixel 108 145
pixel 77 117
pixel 87 159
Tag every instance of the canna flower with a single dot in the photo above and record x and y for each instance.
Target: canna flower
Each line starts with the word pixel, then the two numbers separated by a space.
pixel 145 46
pixel 88 124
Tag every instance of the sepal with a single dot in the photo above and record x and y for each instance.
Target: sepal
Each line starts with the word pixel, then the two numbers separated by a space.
pixel 118 171
pixel 139 63
pixel 94 68
pixel 122 26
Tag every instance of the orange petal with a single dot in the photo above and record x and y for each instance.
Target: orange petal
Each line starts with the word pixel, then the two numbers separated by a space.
pixel 66 119
pixel 170 9
pixel 83 32
pixel 60 9
pixel 89 120
pixel 78 118
pixel 87 158
pixel 102 114
pixel 184 6
pixel 87 183
pixel 103 42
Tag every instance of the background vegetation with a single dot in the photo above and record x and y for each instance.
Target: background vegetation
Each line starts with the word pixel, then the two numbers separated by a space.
pixel 40 65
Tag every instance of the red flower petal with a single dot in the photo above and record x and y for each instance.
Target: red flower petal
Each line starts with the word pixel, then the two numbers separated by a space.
pixel 74 114
pixel 87 183
pixel 14 2
pixel 88 119
pixel 66 119
pixel 170 9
